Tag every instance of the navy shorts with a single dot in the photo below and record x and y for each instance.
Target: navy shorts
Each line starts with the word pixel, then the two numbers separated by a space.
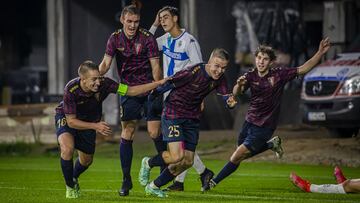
pixel 186 130
pixel 84 139
pixel 135 108
pixel 254 137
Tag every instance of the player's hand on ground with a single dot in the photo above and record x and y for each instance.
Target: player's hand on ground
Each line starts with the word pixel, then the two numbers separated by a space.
pixel 324 45
pixel 241 81
pixel 231 101
pixel 103 128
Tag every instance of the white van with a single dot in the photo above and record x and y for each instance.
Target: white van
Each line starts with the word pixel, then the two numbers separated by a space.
pixel 331 95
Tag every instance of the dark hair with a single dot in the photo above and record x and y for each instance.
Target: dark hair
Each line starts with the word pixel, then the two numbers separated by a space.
pixel 220 53
pixel 132 9
pixel 267 50
pixel 86 66
pixel 172 10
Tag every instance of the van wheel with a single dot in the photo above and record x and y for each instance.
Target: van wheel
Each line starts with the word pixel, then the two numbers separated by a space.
pixel 343 132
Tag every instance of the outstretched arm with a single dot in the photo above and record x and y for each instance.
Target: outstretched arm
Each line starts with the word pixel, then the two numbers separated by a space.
pixel 105 64
pixel 101 127
pixel 240 85
pixel 308 65
pixel 141 89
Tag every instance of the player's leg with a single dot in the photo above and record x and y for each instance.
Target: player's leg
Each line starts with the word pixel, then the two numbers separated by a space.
pixel 66 143
pixel 82 163
pixel 352 186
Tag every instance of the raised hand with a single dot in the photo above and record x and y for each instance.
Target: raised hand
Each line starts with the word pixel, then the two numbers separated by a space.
pixel 241 81
pixel 324 45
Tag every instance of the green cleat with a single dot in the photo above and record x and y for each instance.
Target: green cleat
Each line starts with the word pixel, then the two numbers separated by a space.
pixel 77 187
pixel 144 174
pixel 154 191
pixel 71 193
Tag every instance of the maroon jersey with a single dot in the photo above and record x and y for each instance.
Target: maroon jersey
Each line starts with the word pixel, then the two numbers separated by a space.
pixel 192 85
pixel 132 56
pixel 86 106
pixel 264 107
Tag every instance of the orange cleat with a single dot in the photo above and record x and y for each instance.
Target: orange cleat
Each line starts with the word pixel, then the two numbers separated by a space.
pixel 339 176
pixel 304 185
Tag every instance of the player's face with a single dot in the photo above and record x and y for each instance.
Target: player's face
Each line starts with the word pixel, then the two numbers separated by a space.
pixel 92 80
pixel 217 67
pixel 130 24
pixel 262 62
pixel 167 21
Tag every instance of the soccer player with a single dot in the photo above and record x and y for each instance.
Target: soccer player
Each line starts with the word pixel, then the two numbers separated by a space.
pixel 180 119
pixel 180 50
pixel 266 85
pixel 343 185
pixel 137 57
pixel 78 118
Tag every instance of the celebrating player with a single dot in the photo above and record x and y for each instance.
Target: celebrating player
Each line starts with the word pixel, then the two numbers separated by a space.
pixel 344 185
pixel 78 118
pixel 266 85
pixel 180 50
pixel 137 58
pixel 180 119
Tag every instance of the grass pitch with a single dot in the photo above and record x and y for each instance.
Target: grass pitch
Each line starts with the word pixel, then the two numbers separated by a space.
pixel 38 178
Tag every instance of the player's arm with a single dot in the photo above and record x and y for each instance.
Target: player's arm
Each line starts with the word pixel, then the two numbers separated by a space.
pixel 308 65
pixel 101 127
pixel 105 64
pixel 223 91
pixel 139 89
pixel 156 69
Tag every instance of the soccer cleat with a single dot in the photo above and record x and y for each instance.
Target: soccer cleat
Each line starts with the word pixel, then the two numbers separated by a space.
pixel 126 187
pixel 276 141
pixel 71 193
pixel 176 186
pixel 304 185
pixel 144 174
pixel 154 191
pixel 77 187
pixel 339 176
pixel 209 185
pixel 205 178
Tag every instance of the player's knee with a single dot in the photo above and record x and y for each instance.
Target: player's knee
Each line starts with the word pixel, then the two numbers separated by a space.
pixel 128 132
pixel 237 158
pixel 66 152
pixel 349 187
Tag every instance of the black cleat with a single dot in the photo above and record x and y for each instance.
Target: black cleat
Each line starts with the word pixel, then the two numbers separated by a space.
pixel 209 185
pixel 126 187
pixel 205 178
pixel 176 186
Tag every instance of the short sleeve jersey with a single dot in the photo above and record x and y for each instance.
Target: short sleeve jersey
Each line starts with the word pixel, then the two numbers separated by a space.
pixel 179 52
pixel 266 92
pixel 192 85
pixel 132 56
pixel 86 106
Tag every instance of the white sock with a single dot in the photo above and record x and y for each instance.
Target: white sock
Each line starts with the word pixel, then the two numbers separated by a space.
pixel 152 185
pixel 198 164
pixel 328 188
pixel 181 176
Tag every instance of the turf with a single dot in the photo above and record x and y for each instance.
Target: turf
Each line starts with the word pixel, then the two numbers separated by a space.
pixel 38 178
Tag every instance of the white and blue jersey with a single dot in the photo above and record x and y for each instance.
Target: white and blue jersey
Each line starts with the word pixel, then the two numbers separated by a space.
pixel 178 53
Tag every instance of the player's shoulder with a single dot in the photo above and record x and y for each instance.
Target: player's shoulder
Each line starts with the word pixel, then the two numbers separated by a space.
pixel 73 85
pixel 189 37
pixel 194 69
pixel 117 32
pixel 145 32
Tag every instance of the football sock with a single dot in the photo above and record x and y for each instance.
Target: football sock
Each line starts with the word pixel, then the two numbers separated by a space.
pixel 181 176
pixel 327 188
pixel 126 154
pixel 67 170
pixel 164 178
pixel 228 169
pixel 156 160
pixel 78 169
pixel 198 164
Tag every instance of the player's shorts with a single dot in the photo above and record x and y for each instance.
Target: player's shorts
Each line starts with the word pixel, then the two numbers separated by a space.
pixel 84 139
pixel 186 130
pixel 254 137
pixel 135 108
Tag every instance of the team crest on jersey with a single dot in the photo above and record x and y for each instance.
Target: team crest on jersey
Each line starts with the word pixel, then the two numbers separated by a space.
pixel 271 81
pixel 138 48
pixel 121 49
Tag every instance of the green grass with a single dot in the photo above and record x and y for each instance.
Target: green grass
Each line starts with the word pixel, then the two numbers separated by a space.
pixel 38 178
